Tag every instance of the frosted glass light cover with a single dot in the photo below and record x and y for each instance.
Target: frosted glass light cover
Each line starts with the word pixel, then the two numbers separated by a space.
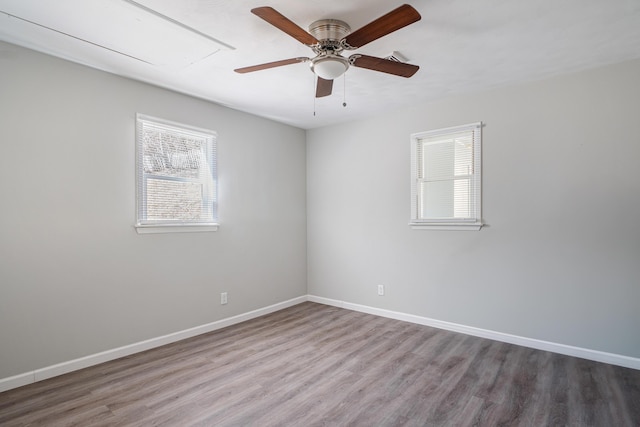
pixel 330 68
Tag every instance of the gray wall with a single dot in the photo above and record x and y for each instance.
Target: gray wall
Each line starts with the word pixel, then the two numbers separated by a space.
pixel 75 278
pixel 560 258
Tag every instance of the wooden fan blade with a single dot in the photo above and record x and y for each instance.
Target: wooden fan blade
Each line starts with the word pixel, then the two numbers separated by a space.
pixel 384 65
pixel 323 87
pixel 283 23
pixel 270 65
pixel 392 21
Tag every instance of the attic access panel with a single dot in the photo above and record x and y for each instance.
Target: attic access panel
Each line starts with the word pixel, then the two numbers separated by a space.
pixel 126 27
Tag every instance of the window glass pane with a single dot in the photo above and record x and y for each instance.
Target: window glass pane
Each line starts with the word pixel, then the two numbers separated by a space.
pixel 463 156
pixel 446 199
pixel 462 198
pixel 171 154
pixel 438 160
pixel 437 199
pixel 173 200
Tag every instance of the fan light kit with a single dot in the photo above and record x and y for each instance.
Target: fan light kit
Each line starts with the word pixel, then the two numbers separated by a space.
pixel 329 67
pixel 328 38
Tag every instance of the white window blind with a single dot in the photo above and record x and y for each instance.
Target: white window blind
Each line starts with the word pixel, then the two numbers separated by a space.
pixel 176 174
pixel 446 177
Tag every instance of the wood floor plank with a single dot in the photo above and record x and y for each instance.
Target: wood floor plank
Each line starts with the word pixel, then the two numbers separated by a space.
pixel 625 387
pixel 316 365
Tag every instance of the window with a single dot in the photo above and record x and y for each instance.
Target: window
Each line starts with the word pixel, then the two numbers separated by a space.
pixel 176 177
pixel 446 178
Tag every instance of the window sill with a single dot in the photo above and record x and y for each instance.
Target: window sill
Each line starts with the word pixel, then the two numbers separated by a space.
pixel 175 228
pixel 450 226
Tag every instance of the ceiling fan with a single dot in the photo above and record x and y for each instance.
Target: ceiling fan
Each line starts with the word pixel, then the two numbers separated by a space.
pixel 329 37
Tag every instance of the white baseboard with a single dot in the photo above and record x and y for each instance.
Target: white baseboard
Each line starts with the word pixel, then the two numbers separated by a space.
pixel 584 353
pixel 16 381
pixel 105 356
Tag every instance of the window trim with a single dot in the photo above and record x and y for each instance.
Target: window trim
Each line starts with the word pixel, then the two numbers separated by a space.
pixel 473 224
pixel 173 226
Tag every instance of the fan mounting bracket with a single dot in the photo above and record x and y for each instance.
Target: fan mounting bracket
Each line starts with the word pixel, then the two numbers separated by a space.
pixel 352 58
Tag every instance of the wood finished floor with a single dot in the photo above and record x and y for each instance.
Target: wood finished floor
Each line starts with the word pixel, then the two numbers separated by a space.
pixel 312 365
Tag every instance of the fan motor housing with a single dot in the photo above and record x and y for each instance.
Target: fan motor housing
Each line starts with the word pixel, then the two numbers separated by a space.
pixel 330 30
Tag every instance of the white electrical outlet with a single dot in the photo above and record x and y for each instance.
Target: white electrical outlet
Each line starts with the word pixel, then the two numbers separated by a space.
pixel 380 289
pixel 223 298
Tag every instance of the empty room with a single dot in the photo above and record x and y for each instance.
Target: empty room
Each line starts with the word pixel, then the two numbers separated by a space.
pixel 223 213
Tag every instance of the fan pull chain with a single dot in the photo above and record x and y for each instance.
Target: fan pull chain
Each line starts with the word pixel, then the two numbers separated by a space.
pixel 315 88
pixel 344 90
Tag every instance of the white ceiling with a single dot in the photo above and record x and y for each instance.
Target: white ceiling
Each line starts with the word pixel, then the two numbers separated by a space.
pixel 193 46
